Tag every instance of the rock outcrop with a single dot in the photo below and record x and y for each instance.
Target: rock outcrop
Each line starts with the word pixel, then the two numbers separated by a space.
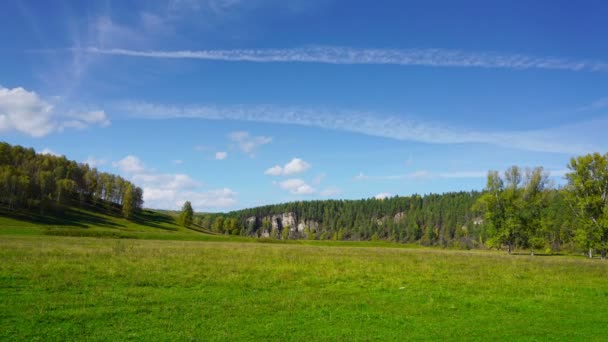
pixel 399 217
pixel 297 227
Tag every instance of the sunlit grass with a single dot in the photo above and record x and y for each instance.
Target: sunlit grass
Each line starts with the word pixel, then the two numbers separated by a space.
pixel 62 288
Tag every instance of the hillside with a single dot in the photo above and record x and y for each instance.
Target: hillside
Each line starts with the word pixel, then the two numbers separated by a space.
pixel 86 222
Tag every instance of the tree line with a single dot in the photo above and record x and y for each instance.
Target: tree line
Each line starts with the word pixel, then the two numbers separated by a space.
pixel 42 182
pixel 519 209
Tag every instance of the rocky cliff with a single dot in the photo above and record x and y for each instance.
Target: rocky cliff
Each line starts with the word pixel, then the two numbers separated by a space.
pixel 297 227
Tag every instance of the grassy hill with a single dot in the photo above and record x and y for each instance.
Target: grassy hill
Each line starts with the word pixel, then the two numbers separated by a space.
pixel 80 222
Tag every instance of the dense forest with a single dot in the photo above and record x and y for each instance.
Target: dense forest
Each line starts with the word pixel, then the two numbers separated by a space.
pixel 450 219
pixel 42 182
pixel 518 209
pixel 430 219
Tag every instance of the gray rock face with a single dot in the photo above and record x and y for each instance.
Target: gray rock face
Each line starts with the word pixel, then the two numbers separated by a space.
pixel 398 217
pixel 281 221
pixel 380 221
pixel 289 219
pixel 275 221
pixel 310 224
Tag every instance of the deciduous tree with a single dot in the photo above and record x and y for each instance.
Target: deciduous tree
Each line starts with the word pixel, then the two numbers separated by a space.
pixel 588 198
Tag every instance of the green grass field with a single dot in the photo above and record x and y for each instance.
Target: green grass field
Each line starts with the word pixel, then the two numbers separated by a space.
pixel 160 288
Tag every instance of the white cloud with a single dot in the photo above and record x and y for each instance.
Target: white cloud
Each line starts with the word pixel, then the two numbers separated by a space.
pixel 94 162
pixel 163 198
pixel 50 152
pixel 297 187
pixel 177 161
pixel 330 191
pixel 296 165
pixel 570 139
pixel 274 171
pixel 130 164
pixel 170 191
pixel 221 155
pixel 383 195
pixel 166 181
pixel 345 55
pixel 26 112
pixel 248 143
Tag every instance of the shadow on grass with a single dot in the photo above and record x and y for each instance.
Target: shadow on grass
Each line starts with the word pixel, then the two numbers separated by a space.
pixel 200 229
pixel 62 217
pixel 156 220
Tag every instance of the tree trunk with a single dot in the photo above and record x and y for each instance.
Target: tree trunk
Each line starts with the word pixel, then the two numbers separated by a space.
pixel 532 252
pixel 509 248
pixel 590 253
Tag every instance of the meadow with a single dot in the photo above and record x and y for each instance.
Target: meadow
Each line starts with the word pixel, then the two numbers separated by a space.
pixel 91 288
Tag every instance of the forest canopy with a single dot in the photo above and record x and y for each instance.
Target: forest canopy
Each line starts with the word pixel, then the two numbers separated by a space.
pixel 35 181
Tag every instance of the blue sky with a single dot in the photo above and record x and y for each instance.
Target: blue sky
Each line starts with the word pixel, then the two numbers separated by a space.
pixel 233 103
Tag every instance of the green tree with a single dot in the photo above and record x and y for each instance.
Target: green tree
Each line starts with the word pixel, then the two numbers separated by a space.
pixel 513 206
pixel 218 224
pixel 285 232
pixel 535 196
pixel 128 202
pixel 588 198
pixel 186 215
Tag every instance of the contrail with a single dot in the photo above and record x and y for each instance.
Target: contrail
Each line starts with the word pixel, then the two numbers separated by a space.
pixel 345 55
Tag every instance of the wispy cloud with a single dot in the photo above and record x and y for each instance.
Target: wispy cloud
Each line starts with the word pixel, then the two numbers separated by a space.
pixel 422 175
pixel 347 55
pixel 572 139
pixel 330 191
pixel 248 143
